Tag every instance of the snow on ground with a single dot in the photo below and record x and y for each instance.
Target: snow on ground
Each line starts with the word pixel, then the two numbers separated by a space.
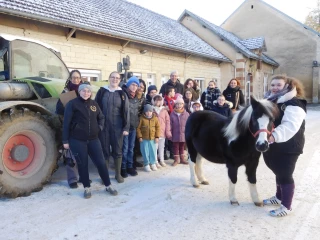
pixel 164 205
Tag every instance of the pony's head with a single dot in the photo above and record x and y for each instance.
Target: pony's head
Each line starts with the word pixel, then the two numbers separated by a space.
pixel 257 119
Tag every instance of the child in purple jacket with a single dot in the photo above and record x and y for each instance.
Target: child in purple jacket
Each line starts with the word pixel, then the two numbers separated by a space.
pixel 178 120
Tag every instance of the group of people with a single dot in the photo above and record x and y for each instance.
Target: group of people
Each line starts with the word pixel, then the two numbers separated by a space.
pixel 123 121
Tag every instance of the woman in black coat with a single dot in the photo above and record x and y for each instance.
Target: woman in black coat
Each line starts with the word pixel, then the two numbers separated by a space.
pixel 83 120
pixel 234 94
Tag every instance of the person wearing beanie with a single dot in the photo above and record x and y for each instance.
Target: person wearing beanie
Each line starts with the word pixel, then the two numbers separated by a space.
pixel 83 121
pixel 114 104
pixel 129 140
pixel 148 133
pixel 133 80
pixel 178 120
pixel 152 90
pixel 85 85
pixel 72 84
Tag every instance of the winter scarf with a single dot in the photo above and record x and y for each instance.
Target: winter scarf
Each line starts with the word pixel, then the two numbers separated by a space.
pixel 170 102
pixel 73 87
pixel 274 97
pixel 211 95
pixel 179 110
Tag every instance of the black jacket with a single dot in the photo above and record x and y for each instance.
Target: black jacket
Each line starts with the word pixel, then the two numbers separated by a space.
pixel 296 143
pixel 230 95
pixel 178 87
pixel 83 120
pixel 115 109
pixel 223 110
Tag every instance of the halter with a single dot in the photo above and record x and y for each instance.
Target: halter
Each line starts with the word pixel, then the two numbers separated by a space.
pixel 262 130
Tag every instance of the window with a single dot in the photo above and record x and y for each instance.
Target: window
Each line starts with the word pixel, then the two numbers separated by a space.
pixel 34 60
pixel 200 81
pixel 136 74
pixel 89 75
pixel 164 79
pixel 151 79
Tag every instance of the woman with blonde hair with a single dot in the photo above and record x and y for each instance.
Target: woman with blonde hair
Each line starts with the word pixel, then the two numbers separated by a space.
pixel 286 140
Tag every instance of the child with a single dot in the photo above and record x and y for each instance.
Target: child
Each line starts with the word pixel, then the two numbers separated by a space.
pixel 148 133
pixel 165 127
pixel 169 99
pixel 196 106
pixel 178 119
pixel 222 107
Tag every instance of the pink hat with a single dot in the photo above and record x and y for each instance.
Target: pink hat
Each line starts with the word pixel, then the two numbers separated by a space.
pixel 179 100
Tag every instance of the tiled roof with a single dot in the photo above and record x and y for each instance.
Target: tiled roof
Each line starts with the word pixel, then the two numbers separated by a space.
pixel 229 37
pixel 253 43
pixel 117 18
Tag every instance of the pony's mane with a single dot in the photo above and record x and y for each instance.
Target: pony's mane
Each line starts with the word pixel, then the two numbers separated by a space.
pixel 241 119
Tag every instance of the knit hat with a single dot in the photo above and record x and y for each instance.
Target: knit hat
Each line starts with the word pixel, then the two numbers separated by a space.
pixel 196 103
pixel 85 85
pixel 133 80
pixel 179 100
pixel 152 87
pixel 147 108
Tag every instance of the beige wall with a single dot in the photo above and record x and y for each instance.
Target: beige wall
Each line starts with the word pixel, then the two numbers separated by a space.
pixel 292 46
pixel 241 66
pixel 97 52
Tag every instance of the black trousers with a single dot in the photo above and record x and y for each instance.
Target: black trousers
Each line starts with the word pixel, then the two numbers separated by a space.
pixel 81 150
pixel 282 165
pixel 114 138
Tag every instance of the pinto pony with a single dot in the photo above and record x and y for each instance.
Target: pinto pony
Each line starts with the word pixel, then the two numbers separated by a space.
pixel 233 141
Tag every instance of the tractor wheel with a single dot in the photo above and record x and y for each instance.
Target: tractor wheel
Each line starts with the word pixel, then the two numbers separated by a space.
pixel 28 154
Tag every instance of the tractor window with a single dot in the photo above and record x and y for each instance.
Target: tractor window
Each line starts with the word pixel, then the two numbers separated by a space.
pixel 34 60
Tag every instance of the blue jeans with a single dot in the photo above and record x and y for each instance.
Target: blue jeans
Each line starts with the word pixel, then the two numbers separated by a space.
pixel 148 151
pixel 81 150
pixel 127 149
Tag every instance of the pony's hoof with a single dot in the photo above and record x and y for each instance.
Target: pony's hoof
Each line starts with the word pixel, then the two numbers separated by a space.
pixel 259 204
pixel 205 182
pixel 234 203
pixel 196 185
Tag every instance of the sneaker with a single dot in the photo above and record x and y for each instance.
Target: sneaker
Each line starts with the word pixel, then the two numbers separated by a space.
pixel 124 173
pixel 87 193
pixel 111 190
pixel 273 201
pixel 280 212
pixel 147 168
pixel 157 164
pixel 163 164
pixel 154 167
pixel 132 172
pixel 73 185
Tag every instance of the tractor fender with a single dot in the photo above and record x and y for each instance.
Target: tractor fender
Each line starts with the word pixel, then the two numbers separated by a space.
pixel 34 107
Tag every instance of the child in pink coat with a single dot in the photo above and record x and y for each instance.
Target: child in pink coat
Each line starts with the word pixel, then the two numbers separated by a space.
pixel 178 120
pixel 165 127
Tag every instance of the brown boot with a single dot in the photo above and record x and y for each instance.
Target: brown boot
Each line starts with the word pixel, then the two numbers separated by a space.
pixel 182 159
pixel 176 160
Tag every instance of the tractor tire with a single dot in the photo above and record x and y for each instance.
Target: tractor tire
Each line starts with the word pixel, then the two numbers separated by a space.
pixel 28 154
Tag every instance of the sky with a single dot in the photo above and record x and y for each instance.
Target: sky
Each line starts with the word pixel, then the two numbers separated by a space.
pixel 217 11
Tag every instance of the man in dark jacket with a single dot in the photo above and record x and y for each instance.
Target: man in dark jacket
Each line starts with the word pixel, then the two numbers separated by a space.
pixel 172 82
pixel 152 91
pixel 115 107
pixel 129 140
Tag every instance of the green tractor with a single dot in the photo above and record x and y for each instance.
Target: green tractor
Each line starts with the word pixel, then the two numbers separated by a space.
pixel 32 76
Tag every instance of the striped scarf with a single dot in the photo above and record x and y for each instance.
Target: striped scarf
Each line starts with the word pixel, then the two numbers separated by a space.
pixel 212 94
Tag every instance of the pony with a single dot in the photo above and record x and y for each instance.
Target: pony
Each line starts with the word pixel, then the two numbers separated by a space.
pixel 235 141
